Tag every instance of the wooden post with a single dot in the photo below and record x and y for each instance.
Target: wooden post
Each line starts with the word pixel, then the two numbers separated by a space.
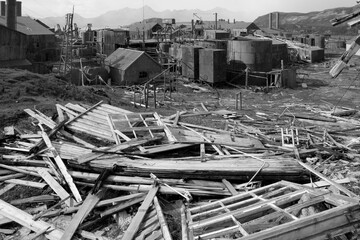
pixel 134 99
pixel 154 95
pixel 282 64
pixel 246 77
pixel 164 86
pixel 238 99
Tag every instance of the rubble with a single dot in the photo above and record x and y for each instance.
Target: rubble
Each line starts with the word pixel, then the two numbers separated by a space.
pixel 100 164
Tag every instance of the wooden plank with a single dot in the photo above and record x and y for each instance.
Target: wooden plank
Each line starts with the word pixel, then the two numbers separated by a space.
pixel 11 176
pixel 230 187
pixel 184 227
pixel 62 167
pixel 135 223
pixel 8 187
pixel 164 227
pixel 121 206
pixel 81 114
pixel 26 183
pixel 89 203
pixel 111 125
pixel 58 189
pixel 25 219
pixel 40 198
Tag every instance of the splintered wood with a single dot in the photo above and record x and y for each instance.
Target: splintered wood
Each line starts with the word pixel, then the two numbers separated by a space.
pixel 107 173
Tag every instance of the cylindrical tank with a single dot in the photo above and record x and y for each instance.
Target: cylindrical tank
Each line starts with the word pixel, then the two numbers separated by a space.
pixel 254 53
pixel 279 53
pixel 88 36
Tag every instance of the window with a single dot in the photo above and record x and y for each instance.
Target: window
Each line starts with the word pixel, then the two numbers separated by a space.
pixel 143 74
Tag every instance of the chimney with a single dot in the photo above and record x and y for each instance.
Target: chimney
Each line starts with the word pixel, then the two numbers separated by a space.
pixel 277 19
pixel 2 9
pixel 18 9
pixel 270 20
pixel 234 20
pixel 228 20
pixel 216 21
pixel 11 14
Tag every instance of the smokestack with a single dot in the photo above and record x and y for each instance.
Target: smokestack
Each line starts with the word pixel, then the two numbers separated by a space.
pixel 234 20
pixel 215 21
pixel 11 14
pixel 270 20
pixel 18 9
pixel 277 19
pixel 2 9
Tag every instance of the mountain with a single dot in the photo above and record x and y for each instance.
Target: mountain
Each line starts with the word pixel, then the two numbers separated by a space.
pixel 312 22
pixel 126 16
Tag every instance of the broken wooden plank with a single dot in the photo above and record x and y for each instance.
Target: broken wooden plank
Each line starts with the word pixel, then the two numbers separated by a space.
pixel 26 183
pixel 40 198
pixel 62 167
pixel 11 176
pixel 25 219
pixel 121 206
pixel 89 203
pixel 58 189
pixel 164 227
pixel 230 187
pixel 6 188
pixel 135 223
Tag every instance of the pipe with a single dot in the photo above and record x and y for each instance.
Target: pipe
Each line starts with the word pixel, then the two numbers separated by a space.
pixel 11 14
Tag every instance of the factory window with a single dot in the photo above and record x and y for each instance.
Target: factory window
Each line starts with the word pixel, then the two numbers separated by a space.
pixel 143 74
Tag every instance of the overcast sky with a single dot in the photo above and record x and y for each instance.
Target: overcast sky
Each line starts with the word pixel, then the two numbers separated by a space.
pixel 253 8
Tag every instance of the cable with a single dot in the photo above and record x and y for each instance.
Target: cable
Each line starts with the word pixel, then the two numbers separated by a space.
pixel 345 92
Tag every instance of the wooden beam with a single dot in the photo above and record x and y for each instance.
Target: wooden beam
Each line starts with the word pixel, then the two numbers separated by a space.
pixel 230 187
pixel 62 167
pixel 136 221
pixel 58 189
pixel 89 203
pixel 25 219
pixel 8 187
pixel 26 183
pixel 164 227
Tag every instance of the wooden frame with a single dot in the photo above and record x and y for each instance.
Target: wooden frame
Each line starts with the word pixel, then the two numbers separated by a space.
pixel 282 210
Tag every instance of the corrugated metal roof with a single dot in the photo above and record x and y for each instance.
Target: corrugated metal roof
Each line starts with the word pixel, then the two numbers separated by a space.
pixel 122 58
pixel 28 26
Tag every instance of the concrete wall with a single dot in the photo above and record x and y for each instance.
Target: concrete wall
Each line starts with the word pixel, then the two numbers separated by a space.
pixel 13 44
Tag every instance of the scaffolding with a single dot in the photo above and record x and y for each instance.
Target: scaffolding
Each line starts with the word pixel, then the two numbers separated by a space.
pixel 66 56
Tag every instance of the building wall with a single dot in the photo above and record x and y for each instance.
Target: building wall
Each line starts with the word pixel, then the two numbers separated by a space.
pixel 13 45
pixel 131 75
pixel 42 48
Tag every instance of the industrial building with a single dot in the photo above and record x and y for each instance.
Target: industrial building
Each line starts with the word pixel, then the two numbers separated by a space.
pixel 24 38
pixel 130 67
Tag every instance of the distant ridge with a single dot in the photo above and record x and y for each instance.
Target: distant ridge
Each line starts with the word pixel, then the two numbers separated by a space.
pixel 126 16
pixel 312 22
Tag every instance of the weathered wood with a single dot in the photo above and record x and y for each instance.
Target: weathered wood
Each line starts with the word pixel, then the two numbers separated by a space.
pixel 164 227
pixel 135 223
pixel 121 206
pixel 26 183
pixel 230 187
pixel 40 198
pixel 83 113
pixel 184 227
pixel 58 189
pixel 11 176
pixel 6 188
pixel 25 220
pixel 89 203
pixel 62 168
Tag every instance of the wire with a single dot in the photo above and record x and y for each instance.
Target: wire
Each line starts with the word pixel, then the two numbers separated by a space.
pixel 351 84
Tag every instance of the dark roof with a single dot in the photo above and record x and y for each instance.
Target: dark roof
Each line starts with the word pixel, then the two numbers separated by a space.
pixel 28 26
pixel 139 26
pixel 122 58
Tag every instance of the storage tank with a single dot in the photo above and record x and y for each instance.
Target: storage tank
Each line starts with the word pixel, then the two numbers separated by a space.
pixel 212 65
pixel 190 61
pixel 213 44
pixel 254 53
pixel 279 52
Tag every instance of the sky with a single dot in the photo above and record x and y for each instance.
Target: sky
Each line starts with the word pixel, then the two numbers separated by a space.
pixel 253 8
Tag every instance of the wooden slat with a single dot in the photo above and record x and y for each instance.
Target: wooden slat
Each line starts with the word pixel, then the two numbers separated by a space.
pixel 58 189
pixel 164 227
pixel 25 220
pixel 26 183
pixel 230 187
pixel 135 223
pixel 89 203
pixel 62 168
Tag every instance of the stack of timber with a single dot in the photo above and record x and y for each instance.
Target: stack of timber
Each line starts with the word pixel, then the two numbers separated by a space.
pixel 107 173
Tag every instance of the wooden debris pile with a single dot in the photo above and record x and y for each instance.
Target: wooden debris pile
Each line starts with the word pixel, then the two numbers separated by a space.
pixel 102 172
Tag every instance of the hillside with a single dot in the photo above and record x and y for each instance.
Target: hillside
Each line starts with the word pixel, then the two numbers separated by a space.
pixel 311 22
pixel 126 16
